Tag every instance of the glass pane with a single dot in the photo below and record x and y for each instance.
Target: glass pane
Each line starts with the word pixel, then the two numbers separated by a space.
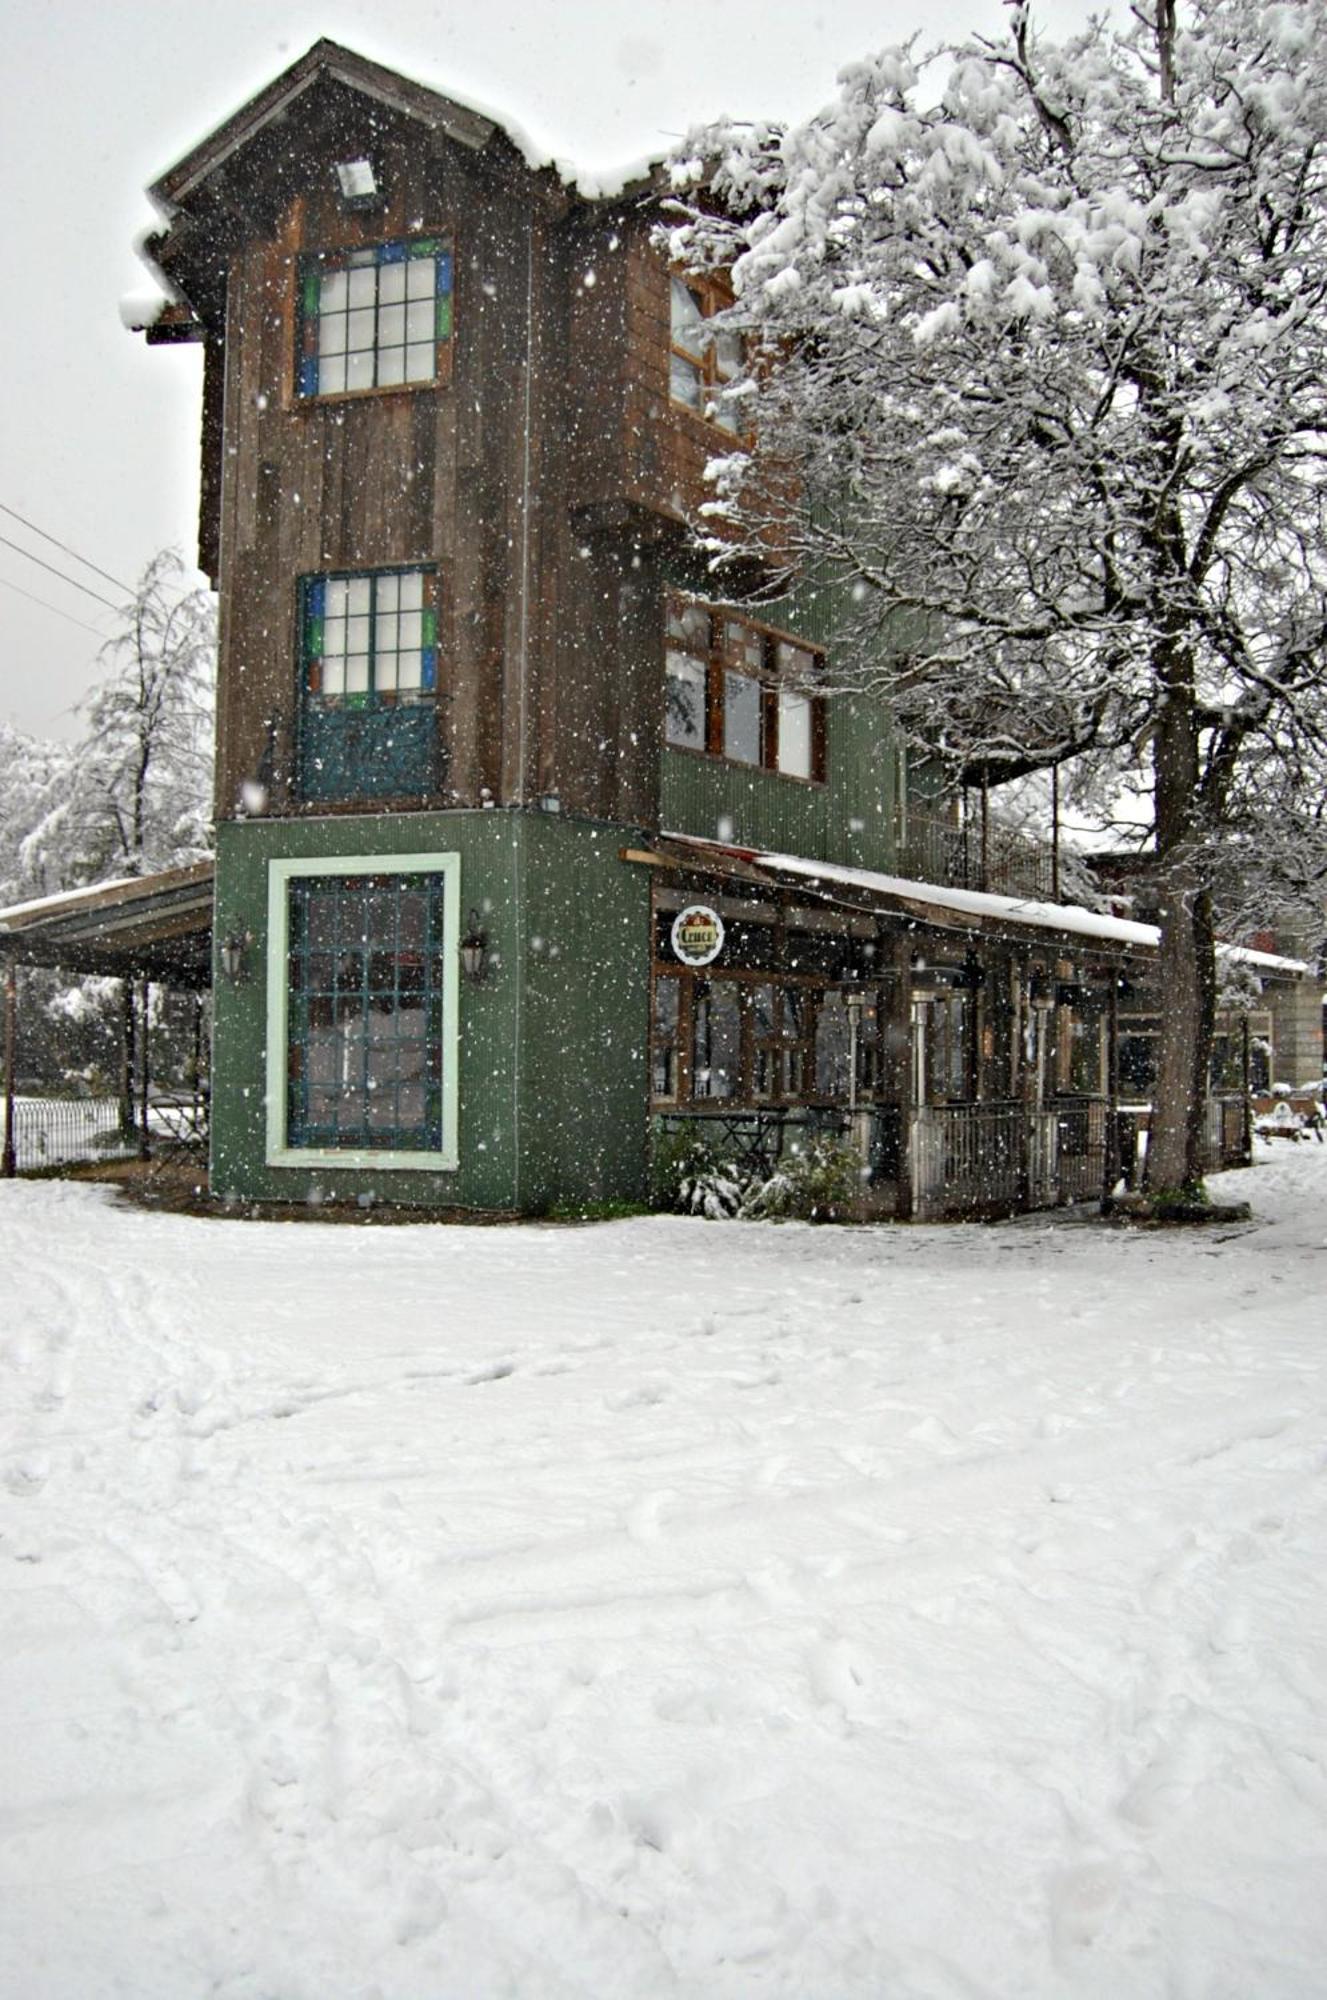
pixel 684 701
pixel 391 283
pixel 359 370
pixel 359 594
pixel 331 375
pixel 391 326
pixel 741 718
pixel 421 277
pixel 391 367
pixel 359 330
pixel 794 734
pixel 717 1040
pixel 410 589
pixel 332 292
pixel 684 382
pixel 421 362
pixel 332 334
pixel 664 1082
pixel 419 319
pixel 832 1048
pixel 687 319
pixel 362 285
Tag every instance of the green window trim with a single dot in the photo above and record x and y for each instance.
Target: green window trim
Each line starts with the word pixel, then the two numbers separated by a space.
pixel 280 1151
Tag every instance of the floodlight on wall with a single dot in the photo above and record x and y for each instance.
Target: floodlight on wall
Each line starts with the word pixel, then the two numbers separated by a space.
pixel 474 950
pixel 358 183
pixel 233 952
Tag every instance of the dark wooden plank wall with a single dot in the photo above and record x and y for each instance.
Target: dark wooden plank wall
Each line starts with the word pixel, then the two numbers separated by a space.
pixel 527 478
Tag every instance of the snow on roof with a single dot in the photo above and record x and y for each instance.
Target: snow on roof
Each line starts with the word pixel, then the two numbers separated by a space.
pixel 121 888
pixel 64 899
pixel 1062 917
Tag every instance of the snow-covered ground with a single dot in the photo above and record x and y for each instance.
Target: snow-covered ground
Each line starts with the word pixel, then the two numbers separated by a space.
pixel 662 1608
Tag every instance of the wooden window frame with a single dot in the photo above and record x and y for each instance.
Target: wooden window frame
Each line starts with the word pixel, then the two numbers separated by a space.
pixel 317 264
pixel 372 697
pixel 785 1047
pixel 719 663
pixel 713 294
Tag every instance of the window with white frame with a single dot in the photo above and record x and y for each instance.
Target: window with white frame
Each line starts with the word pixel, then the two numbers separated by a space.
pixel 362 1010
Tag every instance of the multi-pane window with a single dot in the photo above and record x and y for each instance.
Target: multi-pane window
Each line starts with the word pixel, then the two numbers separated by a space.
pixel 738 691
pixel 379 318
pixel 369 676
pixel 705 360
pixel 742 1039
pixel 372 639
pixel 364 1018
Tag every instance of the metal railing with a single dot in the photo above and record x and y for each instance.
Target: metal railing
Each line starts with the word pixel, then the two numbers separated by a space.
pixel 938 850
pixel 68 1131
pixel 968 1159
pixel 79 1131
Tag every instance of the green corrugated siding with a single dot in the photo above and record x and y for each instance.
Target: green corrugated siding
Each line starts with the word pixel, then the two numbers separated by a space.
pixel 849 819
pixel 552 1053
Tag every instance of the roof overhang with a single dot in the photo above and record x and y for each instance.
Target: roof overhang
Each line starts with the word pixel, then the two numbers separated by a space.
pixel 1061 928
pixel 325 61
pixel 155 927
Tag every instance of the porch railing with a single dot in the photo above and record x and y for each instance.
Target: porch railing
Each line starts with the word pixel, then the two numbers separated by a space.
pixel 968 1159
pixel 936 850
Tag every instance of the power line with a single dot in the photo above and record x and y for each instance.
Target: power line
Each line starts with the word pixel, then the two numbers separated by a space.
pixel 86 590
pixel 65 548
pixel 51 607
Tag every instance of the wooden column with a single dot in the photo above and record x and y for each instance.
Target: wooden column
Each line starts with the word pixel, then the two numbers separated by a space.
pixel 143 1068
pixel 1111 1164
pixel 896 1054
pixel 10 1162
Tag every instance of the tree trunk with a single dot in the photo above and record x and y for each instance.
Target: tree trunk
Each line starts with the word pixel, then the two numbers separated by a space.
pixel 1186 959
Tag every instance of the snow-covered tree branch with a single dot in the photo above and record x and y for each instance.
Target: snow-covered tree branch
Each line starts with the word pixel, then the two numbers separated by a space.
pixel 1049 357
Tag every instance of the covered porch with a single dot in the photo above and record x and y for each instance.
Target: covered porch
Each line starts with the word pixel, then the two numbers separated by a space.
pixel 964 1044
pixel 145 932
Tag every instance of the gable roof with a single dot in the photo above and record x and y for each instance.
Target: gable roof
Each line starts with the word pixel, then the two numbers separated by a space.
pixel 325 61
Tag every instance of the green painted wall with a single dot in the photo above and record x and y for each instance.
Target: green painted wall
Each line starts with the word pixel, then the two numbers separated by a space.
pixel 851 818
pixel 553 1047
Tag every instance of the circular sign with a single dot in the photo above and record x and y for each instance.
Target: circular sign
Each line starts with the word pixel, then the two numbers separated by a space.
pixel 698 934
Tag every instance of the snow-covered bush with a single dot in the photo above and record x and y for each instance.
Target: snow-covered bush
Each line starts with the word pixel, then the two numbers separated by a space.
pixel 817 1183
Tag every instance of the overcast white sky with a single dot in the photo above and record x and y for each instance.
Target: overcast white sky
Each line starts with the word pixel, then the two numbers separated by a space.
pixel 99 439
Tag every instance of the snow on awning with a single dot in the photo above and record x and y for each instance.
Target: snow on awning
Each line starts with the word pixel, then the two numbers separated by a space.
pixel 939 903
pixel 150 926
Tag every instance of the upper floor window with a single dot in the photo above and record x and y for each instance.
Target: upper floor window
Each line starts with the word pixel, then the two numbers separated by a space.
pixel 379 318
pixel 704 359
pixel 369 674
pixel 739 691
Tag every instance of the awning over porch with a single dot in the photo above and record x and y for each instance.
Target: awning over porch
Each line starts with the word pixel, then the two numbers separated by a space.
pixel 156 927
pixel 940 907
pixel 966 913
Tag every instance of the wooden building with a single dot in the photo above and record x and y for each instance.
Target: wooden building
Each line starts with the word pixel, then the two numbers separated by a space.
pixel 484 736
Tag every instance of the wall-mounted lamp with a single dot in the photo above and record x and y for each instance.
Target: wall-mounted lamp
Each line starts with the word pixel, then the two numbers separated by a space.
pixel 233 952
pixel 474 950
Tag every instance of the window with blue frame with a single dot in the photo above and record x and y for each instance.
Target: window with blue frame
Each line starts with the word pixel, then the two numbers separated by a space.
pixel 379 318
pixel 369 676
pixel 364 1024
